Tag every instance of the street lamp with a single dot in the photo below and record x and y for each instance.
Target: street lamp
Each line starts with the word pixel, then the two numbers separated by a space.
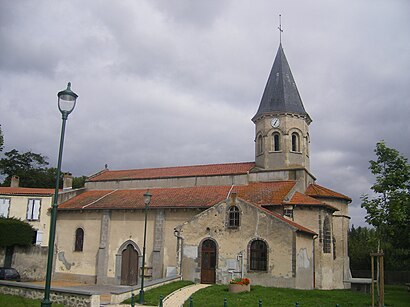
pixel 66 104
pixel 147 200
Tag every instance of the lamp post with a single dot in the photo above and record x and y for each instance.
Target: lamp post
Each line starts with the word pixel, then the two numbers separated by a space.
pixel 66 104
pixel 147 200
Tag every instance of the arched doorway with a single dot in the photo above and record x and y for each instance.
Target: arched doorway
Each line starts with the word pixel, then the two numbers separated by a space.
pixel 208 262
pixel 129 266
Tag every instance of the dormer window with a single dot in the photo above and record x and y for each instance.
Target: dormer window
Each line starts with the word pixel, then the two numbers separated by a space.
pixel 233 217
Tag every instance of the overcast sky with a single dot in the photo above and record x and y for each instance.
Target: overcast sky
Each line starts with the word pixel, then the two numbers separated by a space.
pixel 167 83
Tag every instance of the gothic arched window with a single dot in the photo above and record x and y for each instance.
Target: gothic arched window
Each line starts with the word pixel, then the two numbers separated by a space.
pixel 233 217
pixel 276 141
pixel 295 142
pixel 258 256
pixel 327 236
pixel 79 240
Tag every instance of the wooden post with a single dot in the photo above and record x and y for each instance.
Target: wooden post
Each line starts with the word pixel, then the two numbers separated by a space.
pixel 372 287
pixel 381 279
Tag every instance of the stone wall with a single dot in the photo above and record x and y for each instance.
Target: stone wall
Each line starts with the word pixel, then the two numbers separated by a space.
pixel 76 298
pixel 30 262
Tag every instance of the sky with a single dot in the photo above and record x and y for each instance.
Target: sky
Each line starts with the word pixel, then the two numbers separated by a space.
pixel 171 83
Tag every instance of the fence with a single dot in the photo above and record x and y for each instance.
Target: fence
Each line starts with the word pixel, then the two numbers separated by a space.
pixel 390 277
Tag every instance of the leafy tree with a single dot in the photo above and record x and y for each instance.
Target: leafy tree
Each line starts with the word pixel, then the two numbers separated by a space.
pixel 30 167
pixel 15 232
pixel 78 182
pixel 388 210
pixel 362 242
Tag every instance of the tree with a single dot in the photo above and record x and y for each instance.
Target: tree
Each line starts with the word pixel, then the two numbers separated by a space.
pixel 388 210
pixel 362 242
pixel 15 232
pixel 30 167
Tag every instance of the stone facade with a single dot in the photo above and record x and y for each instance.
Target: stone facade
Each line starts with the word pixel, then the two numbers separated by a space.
pixel 287 231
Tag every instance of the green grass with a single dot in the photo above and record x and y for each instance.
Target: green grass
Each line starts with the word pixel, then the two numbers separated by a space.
pixel 18 301
pixel 151 297
pixel 396 296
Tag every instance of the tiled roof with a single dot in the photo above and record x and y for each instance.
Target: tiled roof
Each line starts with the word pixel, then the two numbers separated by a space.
pixel 315 190
pixel 302 199
pixel 177 171
pixel 202 197
pixel 26 191
pixel 192 197
pixel 265 193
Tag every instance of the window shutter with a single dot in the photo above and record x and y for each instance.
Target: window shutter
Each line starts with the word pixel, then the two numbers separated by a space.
pixel 39 238
pixel 36 209
pixel 30 209
pixel 4 207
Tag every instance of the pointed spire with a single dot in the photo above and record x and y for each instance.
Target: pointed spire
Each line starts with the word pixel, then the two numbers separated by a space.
pixel 281 94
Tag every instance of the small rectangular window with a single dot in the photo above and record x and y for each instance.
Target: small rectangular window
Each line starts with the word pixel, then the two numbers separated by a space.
pixel 33 209
pixel 4 207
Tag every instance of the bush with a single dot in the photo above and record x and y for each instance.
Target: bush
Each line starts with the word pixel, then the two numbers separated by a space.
pixel 14 231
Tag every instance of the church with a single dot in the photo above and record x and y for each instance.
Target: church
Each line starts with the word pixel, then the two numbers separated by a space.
pixel 267 220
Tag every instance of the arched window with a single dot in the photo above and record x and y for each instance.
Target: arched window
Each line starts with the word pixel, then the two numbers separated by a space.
pixel 295 142
pixel 258 256
pixel 79 240
pixel 233 216
pixel 327 236
pixel 276 141
pixel 260 144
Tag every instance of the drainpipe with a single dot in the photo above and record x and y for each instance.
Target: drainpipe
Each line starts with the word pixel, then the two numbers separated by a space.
pixel 180 239
pixel 314 261
pixel 240 256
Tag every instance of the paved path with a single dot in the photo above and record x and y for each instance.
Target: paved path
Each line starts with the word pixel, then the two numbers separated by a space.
pixel 177 298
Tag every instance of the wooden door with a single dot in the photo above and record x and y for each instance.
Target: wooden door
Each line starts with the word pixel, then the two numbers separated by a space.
pixel 208 262
pixel 129 266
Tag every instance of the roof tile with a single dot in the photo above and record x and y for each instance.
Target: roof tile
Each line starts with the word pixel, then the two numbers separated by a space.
pixel 315 190
pixel 177 171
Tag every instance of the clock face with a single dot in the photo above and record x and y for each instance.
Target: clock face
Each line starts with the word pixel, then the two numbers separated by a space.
pixel 275 122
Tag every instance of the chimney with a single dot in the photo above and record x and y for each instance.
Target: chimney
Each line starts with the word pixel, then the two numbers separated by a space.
pixel 15 181
pixel 67 181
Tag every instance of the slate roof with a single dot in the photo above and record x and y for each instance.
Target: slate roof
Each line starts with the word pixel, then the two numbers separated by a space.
pixel 281 94
pixel 26 191
pixel 317 191
pixel 177 171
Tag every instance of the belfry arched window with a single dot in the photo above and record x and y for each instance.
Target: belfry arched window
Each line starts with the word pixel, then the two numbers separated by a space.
pixel 295 142
pixel 276 141
pixel 327 236
pixel 233 217
pixel 259 144
pixel 258 256
pixel 79 240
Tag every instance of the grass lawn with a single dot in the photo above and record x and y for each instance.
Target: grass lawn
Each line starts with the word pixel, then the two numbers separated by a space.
pixel 214 296
pixel 17 301
pixel 151 297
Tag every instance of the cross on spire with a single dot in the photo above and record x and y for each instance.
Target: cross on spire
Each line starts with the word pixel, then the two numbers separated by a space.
pixel 280 28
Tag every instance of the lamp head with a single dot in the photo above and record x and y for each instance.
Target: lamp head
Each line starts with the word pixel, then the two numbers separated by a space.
pixel 66 100
pixel 147 198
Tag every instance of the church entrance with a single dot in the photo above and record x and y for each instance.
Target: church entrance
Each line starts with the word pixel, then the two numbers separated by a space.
pixel 208 262
pixel 129 266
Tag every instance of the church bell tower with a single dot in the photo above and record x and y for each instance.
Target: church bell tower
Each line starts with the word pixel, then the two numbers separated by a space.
pixel 281 122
